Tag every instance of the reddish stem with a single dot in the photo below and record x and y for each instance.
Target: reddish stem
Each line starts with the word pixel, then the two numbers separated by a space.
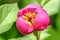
pixel 38 37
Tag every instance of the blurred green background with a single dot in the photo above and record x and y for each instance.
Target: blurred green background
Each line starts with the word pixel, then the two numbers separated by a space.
pixel 8 15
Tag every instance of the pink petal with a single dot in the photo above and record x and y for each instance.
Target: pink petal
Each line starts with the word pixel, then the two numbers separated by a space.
pixel 37 25
pixel 23 27
pixel 41 28
pixel 33 6
pixel 42 20
pixel 44 17
pixel 20 13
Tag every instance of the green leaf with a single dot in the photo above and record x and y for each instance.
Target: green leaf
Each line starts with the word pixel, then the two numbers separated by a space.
pixel 52 7
pixel 39 2
pixel 23 3
pixel 7 1
pixel 58 22
pixel 8 14
pixel 44 34
pixel 12 33
pixel 2 38
pixel 26 37
pixel 45 2
pixel 54 35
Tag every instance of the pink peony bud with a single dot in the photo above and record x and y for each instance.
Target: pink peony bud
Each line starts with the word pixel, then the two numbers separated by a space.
pixel 31 18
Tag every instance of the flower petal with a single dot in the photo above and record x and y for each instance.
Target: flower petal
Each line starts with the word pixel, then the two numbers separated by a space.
pixel 23 27
pixel 20 13
pixel 44 17
pixel 41 28
pixel 33 6
pixel 30 7
pixel 42 20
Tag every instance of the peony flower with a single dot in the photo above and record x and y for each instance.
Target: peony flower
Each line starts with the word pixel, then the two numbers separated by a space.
pixel 30 18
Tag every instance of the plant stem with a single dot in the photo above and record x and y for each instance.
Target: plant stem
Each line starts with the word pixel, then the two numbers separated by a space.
pixel 38 37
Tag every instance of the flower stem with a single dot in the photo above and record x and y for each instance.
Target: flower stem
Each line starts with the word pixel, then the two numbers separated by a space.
pixel 38 37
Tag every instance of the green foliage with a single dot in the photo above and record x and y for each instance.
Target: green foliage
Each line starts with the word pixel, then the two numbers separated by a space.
pixel 44 34
pixel 54 35
pixel 26 37
pixel 8 15
pixel 46 1
pixel 52 7
pixel 23 3
pixel 7 1
pixel 58 22
pixel 12 33
pixel 1 38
